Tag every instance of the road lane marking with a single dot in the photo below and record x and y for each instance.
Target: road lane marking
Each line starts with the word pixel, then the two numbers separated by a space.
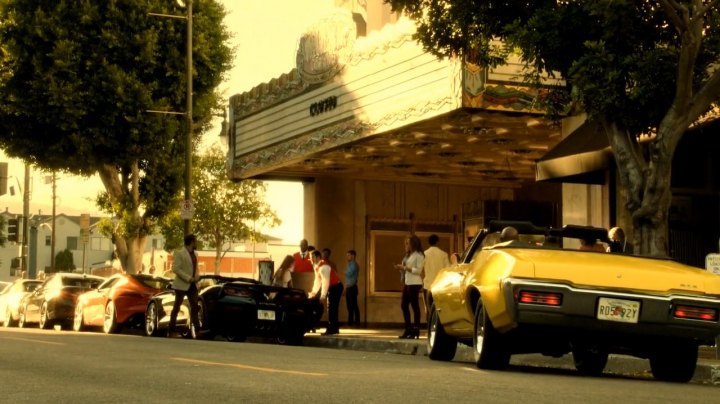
pixel 239 366
pixel 34 340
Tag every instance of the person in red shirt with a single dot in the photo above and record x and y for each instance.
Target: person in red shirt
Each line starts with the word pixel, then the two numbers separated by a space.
pixel 301 260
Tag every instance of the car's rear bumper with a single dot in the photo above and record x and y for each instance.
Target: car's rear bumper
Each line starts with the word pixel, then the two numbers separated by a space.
pixel 578 312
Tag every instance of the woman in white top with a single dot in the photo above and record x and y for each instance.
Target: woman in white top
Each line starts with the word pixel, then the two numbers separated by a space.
pixel 411 273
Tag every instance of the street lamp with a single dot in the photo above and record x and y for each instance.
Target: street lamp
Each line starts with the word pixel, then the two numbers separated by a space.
pixel 187 5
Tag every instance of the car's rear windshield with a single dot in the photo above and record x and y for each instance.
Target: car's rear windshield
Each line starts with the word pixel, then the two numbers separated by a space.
pixel 81 282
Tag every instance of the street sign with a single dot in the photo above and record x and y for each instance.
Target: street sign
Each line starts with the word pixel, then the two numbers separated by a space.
pixel 85 221
pixel 187 209
pixel 712 263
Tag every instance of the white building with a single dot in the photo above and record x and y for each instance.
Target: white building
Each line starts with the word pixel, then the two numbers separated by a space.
pixel 95 251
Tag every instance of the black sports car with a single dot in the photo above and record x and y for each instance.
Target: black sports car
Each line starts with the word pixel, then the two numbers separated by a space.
pixel 237 308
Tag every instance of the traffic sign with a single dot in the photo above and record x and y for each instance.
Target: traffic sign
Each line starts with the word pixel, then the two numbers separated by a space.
pixel 712 263
pixel 187 209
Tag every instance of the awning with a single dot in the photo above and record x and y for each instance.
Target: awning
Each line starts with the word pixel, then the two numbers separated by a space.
pixel 582 157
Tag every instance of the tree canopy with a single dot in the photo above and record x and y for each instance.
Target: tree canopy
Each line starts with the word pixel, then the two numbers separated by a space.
pixel 225 212
pixel 634 66
pixel 77 82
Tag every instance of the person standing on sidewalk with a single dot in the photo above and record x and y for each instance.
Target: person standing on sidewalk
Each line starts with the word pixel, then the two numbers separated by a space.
pixel 329 287
pixel 184 267
pixel 301 259
pixel 411 274
pixel 351 289
pixel 435 260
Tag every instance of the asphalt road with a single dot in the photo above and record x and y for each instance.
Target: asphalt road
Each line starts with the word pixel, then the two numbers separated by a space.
pixel 66 367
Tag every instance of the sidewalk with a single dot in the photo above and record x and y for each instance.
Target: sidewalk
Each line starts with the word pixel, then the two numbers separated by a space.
pixel 385 340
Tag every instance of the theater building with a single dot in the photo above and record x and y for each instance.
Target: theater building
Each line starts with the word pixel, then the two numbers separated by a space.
pixel 388 140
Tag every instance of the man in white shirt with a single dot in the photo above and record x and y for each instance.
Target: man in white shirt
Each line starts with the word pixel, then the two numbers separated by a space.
pixel 435 260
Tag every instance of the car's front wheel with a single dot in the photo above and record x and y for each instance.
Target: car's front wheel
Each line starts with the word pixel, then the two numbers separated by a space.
pixel 675 363
pixel 151 320
pixel 589 360
pixel 45 322
pixel 440 346
pixel 110 324
pixel 489 349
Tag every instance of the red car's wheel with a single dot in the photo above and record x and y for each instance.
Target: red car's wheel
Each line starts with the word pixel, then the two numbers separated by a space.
pixel 489 350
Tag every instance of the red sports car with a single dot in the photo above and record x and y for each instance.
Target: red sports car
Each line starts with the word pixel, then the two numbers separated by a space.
pixel 119 301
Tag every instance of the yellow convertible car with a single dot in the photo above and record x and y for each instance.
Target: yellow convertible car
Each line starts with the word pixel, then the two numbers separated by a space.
pixel 531 295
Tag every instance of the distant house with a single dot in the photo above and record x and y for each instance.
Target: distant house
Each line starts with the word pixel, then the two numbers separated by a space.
pixel 93 252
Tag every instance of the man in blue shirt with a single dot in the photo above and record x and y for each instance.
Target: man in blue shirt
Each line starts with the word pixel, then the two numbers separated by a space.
pixel 351 289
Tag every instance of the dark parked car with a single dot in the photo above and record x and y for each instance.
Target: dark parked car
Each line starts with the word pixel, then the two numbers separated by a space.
pixel 118 302
pixel 238 308
pixel 54 301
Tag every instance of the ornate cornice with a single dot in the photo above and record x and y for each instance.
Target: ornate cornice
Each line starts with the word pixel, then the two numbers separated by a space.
pixel 304 146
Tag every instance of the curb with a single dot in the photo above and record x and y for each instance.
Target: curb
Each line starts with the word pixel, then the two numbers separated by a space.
pixel 707 371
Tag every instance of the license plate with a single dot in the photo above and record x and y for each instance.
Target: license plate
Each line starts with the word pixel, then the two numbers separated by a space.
pixel 624 311
pixel 266 315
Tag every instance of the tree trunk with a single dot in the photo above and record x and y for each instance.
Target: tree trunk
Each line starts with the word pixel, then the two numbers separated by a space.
pixel 645 174
pixel 129 246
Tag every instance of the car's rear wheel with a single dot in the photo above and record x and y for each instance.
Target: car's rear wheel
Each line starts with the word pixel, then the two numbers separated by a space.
pixel 78 318
pixel 489 349
pixel 151 320
pixel 110 324
pixel 235 336
pixel 9 320
pixel 589 360
pixel 45 322
pixel 290 337
pixel 675 363
pixel 205 331
pixel 440 346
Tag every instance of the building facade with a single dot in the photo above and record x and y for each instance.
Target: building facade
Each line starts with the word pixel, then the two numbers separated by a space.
pixel 388 141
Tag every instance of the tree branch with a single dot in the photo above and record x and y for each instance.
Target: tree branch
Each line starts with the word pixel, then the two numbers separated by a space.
pixel 705 97
pixel 671 8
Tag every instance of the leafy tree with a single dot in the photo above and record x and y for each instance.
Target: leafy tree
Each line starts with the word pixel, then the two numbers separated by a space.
pixel 635 66
pixel 225 211
pixel 77 82
pixel 64 261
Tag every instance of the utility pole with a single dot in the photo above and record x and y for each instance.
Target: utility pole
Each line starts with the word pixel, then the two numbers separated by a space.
pixel 188 108
pixel 26 219
pixel 52 235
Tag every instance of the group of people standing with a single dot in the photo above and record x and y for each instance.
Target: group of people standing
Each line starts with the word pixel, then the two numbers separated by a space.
pixel 327 286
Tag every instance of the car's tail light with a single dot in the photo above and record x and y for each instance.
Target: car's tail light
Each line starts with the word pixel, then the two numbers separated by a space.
pixel 696 313
pixel 546 298
pixel 238 292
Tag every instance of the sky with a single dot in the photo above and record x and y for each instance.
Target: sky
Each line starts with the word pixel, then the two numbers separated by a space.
pixel 265 36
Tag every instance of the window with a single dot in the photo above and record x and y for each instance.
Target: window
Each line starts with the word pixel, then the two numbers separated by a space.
pixel 100 244
pixel 48 240
pixel 72 243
